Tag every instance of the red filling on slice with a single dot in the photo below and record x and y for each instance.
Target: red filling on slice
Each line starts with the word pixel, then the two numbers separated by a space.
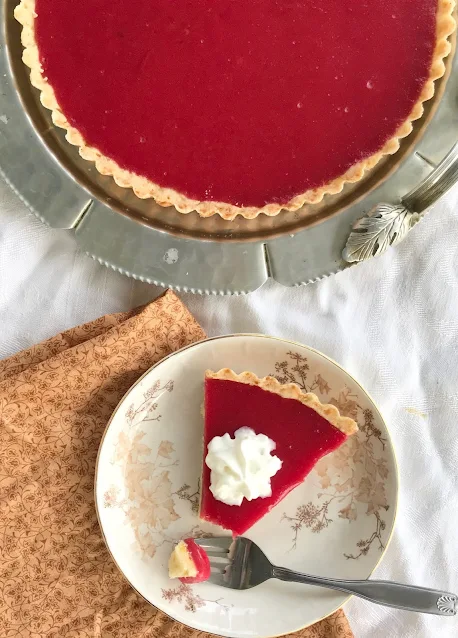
pixel 233 101
pixel 301 435
pixel 200 560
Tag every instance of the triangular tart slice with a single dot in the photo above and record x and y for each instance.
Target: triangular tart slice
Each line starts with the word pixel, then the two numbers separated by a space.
pixel 303 429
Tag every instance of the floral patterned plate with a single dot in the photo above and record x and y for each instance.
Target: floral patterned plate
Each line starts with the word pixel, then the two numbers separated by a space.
pixel 337 523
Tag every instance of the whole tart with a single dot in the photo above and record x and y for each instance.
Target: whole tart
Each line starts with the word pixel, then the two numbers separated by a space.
pixel 302 428
pixel 235 108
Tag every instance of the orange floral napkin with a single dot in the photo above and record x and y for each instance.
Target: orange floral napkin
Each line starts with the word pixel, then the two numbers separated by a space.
pixel 56 576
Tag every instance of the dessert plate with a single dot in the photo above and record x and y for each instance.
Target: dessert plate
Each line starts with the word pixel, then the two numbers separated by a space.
pixel 337 523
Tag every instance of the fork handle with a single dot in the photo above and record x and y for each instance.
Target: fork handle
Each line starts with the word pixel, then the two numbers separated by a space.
pixel 382 592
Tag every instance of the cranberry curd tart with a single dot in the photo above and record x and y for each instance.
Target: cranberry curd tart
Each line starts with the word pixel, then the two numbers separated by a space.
pixel 235 108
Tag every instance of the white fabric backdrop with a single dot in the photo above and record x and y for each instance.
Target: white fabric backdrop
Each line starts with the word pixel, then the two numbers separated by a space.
pixel 392 323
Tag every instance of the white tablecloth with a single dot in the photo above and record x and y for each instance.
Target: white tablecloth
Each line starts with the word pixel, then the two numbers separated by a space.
pixel 392 323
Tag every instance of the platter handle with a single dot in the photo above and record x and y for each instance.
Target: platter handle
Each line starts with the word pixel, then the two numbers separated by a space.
pixel 387 224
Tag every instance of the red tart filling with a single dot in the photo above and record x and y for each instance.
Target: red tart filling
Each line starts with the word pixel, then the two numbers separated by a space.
pixel 189 562
pixel 302 437
pixel 246 103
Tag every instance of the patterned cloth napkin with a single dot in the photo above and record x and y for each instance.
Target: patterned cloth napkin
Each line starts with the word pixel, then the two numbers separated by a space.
pixel 56 576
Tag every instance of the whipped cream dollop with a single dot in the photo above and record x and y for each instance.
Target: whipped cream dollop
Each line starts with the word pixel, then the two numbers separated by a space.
pixel 241 467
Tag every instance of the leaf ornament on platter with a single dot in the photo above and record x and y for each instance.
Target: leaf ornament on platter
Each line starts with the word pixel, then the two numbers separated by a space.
pixel 384 226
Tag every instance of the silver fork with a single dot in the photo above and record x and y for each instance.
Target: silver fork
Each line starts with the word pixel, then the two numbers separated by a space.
pixel 241 564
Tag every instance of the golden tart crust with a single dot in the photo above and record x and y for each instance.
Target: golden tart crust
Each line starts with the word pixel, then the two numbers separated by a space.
pixel 145 189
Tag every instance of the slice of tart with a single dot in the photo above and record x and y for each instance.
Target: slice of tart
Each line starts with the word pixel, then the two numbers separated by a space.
pixel 261 439
pixel 189 562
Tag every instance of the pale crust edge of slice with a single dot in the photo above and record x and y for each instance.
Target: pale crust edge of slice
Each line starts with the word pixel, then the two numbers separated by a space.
pixel 289 391
pixel 146 189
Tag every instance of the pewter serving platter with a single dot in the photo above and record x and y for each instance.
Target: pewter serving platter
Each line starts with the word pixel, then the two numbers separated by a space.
pixel 213 256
